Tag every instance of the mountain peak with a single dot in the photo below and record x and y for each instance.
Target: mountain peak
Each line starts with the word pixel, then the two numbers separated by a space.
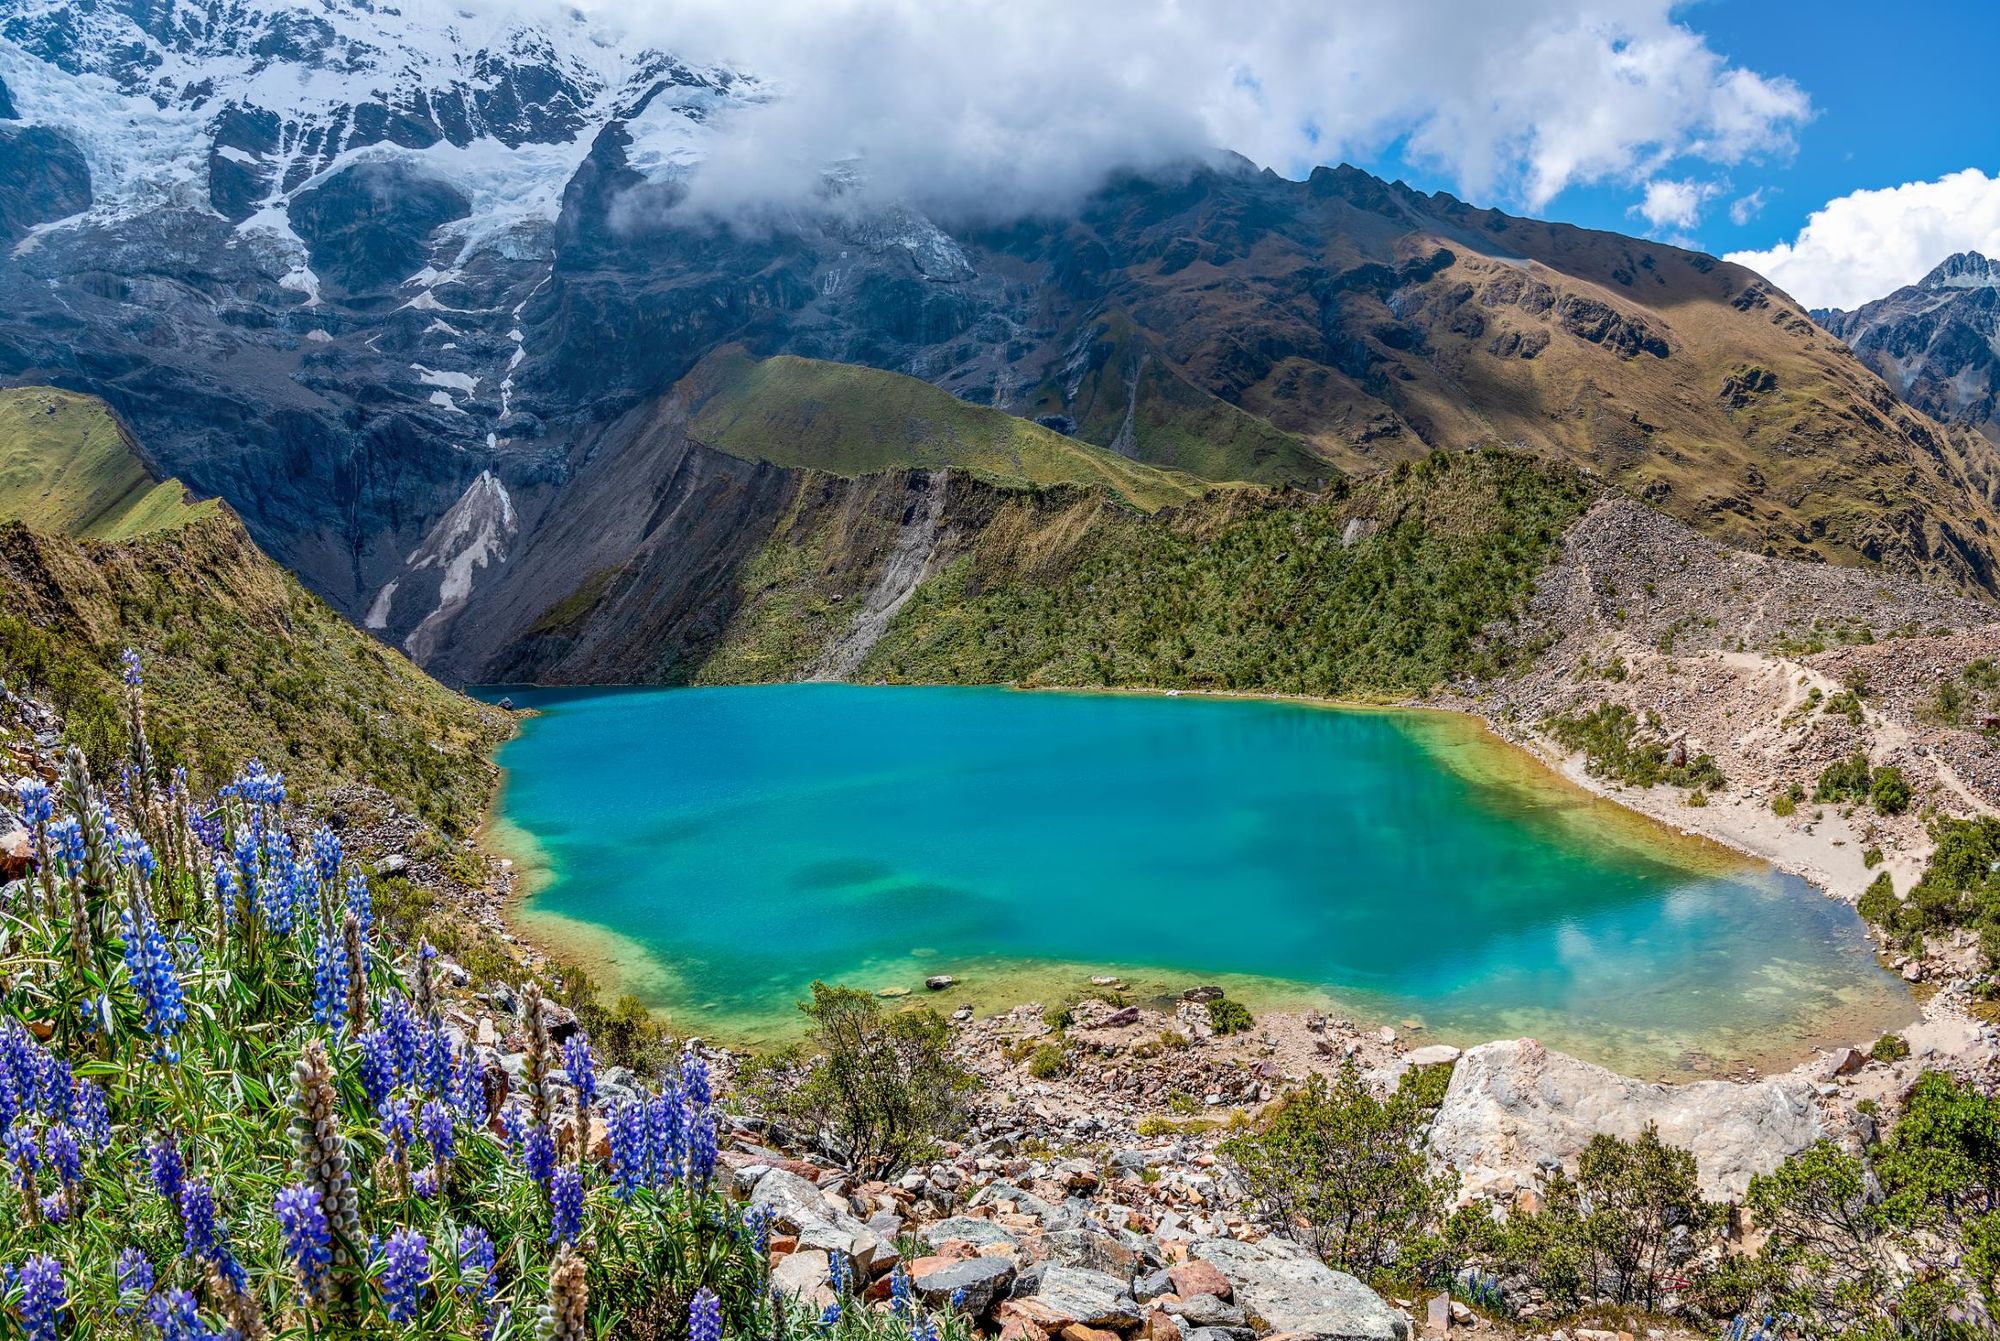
pixel 1964 270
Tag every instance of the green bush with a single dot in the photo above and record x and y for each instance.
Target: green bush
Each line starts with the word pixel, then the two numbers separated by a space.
pixel 1878 903
pixel 1343 1172
pixel 1889 791
pixel 1844 780
pixel 1890 1048
pixel 1608 736
pixel 1229 1017
pixel 878 1090
pixel 1048 1061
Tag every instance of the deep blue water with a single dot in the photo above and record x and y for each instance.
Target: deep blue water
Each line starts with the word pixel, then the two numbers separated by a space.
pixel 739 843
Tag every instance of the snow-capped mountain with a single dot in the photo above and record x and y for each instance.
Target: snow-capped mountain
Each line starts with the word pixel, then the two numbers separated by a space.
pixel 1936 341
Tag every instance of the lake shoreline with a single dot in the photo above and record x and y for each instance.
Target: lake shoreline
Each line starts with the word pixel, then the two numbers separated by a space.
pixel 619 963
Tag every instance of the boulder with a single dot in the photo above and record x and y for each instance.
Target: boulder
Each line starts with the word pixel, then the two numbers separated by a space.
pixel 965 1229
pixel 1059 1295
pixel 1282 1287
pixel 1089 1250
pixel 983 1280
pixel 802 1274
pixel 1198 1277
pixel 797 1207
pixel 1514 1107
pixel 1205 1310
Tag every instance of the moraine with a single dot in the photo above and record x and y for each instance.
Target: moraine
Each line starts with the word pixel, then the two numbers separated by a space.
pixel 716 850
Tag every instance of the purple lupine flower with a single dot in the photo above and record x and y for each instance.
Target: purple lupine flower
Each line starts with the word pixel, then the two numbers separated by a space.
pixel 325 854
pixel 440 1131
pixel 59 1148
pixel 201 1236
pixel 329 1003
pixel 406 1042
pixel 377 1066
pixel 134 851
pixel 23 1155
pixel 899 1292
pixel 93 1114
pixel 425 1183
pixel 128 663
pixel 57 1084
pixel 225 893
pixel 758 1221
pixel 163 1161
pixel 625 1128
pixel 208 832
pixel 55 1208
pixel 704 1316
pixel 581 1067
pixel 694 1081
pixel 176 1317
pixel 923 1329
pixel 538 1154
pixel 476 1260
pixel 666 1138
pixel 468 1088
pixel 308 1240
pixel 836 1268
pixel 135 1272
pixel 514 1125
pixel 437 1062
pixel 406 1271
pixel 399 1126
pixel 155 982
pixel 359 903
pixel 44 1296
pixel 36 802
pixel 565 1205
pixel 701 1152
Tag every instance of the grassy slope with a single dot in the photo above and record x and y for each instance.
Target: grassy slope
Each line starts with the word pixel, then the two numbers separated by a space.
pixel 67 467
pixel 850 421
pixel 240 659
pixel 1382 588
pixel 1130 394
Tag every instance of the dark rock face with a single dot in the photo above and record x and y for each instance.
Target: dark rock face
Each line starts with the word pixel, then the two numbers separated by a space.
pixel 43 177
pixel 1937 341
pixel 370 225
pixel 7 112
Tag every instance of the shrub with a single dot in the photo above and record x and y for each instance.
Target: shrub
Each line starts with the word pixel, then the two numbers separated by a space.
pixel 1878 903
pixel 1608 736
pixel 1844 780
pixel 1871 858
pixel 1229 1017
pixel 1889 791
pixel 1890 1048
pixel 1048 1061
pixel 1786 803
pixel 1343 1172
pixel 877 1089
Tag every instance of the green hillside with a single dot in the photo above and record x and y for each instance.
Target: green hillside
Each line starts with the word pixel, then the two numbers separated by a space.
pixel 851 421
pixel 67 467
pixel 241 660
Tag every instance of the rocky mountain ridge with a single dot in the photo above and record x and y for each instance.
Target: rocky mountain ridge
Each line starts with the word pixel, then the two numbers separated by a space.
pixel 1937 342
pixel 404 285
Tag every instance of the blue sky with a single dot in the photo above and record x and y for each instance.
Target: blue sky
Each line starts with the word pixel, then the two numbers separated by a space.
pixel 1900 94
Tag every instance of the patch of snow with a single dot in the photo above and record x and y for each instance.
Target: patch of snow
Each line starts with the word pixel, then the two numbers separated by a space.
pixel 235 155
pixel 444 402
pixel 456 381
pixel 472 536
pixel 378 611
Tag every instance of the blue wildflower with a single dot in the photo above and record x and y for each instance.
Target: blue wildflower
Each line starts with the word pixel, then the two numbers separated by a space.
pixel 37 804
pixel 694 1080
pixel 704 1316
pixel 225 893
pixel 325 854
pixel 154 980
pixel 836 1268
pixel 60 1149
pixel 43 1297
pixel 538 1155
pixel 437 1062
pixel 830 1318
pixel 514 1126
pixel 625 1129
pixel 702 1152
pixel 440 1133
pixel 406 1043
pixel 329 1003
pixel 377 1066
pixel 55 1208
pixel 665 1136
pixel 900 1301
pixel 565 1205
pixel 399 1127
pixel 176 1317
pixel 66 837
pixel 200 1234
pixel 163 1162
pixel 308 1240
pixel 93 1115
pixel 581 1067
pixel 758 1220
pixel 468 1088
pixel 476 1260
pixel 359 903
pixel 923 1329
pixel 23 1154
pixel 135 1272
pixel 406 1271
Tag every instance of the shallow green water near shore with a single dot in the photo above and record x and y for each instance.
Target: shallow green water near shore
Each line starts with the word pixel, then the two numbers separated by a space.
pixel 718 849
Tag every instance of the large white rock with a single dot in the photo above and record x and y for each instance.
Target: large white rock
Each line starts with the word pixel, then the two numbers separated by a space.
pixel 1291 1291
pixel 1515 1106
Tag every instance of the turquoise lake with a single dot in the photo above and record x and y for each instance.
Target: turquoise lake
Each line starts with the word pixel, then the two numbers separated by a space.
pixel 715 850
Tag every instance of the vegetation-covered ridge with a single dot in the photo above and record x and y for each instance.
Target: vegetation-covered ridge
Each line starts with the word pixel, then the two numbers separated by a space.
pixel 1387 585
pixel 68 467
pixel 848 420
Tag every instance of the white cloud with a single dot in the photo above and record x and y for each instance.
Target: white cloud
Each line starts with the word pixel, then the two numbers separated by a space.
pixel 1868 244
pixel 1001 106
pixel 1675 204
pixel 1745 208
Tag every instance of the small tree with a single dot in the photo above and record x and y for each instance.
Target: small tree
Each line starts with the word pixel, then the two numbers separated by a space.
pixel 878 1089
pixel 1648 1221
pixel 1343 1172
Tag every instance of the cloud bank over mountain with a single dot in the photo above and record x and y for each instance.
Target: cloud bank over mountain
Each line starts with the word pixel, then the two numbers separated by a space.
pixel 994 109
pixel 1870 243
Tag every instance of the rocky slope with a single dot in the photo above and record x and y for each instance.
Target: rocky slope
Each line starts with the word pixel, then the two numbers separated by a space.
pixel 395 283
pixel 1937 342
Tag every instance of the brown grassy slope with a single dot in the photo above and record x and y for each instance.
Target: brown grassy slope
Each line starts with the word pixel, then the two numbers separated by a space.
pixel 1379 323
